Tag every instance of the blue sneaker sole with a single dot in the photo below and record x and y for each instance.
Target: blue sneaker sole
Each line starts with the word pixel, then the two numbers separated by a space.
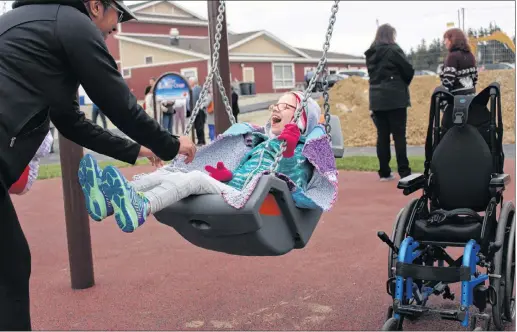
pixel 90 177
pixel 119 192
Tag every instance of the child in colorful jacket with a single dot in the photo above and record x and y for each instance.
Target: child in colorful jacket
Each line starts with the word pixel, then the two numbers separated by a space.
pixel 30 175
pixel 108 192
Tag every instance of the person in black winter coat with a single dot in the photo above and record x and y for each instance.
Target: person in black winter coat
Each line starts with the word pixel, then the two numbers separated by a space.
pixel 235 104
pixel 49 48
pixel 390 76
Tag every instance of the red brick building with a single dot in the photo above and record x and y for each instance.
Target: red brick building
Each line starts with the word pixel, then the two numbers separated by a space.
pixel 170 38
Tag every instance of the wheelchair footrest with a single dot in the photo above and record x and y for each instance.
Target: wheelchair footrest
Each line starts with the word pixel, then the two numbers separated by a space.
pixel 412 309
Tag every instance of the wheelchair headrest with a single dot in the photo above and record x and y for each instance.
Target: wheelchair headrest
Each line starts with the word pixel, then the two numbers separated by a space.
pixel 460 112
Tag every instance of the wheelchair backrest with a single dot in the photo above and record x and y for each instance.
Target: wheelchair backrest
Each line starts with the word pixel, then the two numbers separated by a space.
pixel 461 169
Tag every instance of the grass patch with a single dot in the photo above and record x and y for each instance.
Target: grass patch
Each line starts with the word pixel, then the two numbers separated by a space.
pixel 371 164
pixel 54 170
pixel 354 163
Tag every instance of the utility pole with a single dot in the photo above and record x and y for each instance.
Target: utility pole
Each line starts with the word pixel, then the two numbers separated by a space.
pixel 377 22
pixel 459 20
pixel 463 18
pixel 222 122
pixel 76 217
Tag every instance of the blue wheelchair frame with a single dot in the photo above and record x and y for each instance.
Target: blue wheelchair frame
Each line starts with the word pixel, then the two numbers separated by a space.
pixel 404 288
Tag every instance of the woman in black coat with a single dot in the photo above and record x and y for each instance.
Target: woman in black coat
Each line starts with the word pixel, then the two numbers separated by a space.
pixel 390 75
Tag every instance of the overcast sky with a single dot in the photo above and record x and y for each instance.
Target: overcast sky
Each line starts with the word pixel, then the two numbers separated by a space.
pixel 303 23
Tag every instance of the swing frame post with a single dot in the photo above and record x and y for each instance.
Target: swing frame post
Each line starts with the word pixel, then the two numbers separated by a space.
pixel 221 120
pixel 76 218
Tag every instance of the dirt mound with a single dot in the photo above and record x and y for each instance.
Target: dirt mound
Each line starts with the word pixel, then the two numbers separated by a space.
pixel 349 100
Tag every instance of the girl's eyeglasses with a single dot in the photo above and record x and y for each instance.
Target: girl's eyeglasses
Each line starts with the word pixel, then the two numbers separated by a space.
pixel 281 107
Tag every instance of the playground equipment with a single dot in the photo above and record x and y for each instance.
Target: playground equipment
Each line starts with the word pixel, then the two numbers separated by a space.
pixel 463 177
pixel 269 224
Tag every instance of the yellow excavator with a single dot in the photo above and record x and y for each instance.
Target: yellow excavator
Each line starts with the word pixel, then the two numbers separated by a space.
pixel 497 35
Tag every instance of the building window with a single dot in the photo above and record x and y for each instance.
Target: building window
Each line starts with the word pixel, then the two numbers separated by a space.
pixel 126 73
pixel 283 76
pixel 189 72
pixel 148 60
pixel 248 74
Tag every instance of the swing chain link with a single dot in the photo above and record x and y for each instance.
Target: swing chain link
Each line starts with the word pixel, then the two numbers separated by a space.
pixel 307 94
pixel 213 71
pixel 326 105
pixel 4 7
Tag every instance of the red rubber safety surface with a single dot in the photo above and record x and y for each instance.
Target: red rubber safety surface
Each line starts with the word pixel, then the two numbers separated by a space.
pixel 153 279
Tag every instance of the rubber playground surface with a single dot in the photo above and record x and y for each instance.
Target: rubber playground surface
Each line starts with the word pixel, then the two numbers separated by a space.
pixel 153 279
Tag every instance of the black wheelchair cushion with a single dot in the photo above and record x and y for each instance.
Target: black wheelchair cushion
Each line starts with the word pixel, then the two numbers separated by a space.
pixel 461 169
pixel 455 229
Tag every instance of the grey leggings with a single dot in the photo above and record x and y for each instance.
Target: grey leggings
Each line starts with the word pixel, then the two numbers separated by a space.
pixel 163 188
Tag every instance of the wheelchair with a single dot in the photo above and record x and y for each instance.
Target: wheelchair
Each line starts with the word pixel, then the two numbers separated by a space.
pixel 462 188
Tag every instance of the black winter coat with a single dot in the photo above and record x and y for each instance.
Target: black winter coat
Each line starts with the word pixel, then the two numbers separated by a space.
pixel 390 75
pixel 48 48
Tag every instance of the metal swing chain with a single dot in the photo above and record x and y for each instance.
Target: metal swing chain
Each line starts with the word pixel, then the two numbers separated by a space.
pixel 307 94
pixel 213 71
pixel 4 7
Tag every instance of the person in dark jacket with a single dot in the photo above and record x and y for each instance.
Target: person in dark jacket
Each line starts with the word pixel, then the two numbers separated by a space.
pixel 235 104
pixel 390 76
pixel 49 48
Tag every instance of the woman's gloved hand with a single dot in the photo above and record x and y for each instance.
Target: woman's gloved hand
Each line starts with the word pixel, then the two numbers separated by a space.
pixel 221 173
pixel 291 135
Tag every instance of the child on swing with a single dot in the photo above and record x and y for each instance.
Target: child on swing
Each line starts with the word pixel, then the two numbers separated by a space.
pixel 107 192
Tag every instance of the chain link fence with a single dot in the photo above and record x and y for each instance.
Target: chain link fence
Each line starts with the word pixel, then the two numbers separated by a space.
pixel 490 54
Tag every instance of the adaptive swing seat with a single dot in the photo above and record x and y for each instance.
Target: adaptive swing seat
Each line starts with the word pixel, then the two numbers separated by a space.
pixel 262 219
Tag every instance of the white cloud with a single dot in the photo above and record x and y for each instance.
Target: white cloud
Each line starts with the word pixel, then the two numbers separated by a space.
pixel 303 23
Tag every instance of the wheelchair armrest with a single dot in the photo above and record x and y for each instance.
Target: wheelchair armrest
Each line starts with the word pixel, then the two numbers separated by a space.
pixel 499 182
pixel 411 183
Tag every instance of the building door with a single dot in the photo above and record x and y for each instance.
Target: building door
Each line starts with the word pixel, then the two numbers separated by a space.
pixel 248 74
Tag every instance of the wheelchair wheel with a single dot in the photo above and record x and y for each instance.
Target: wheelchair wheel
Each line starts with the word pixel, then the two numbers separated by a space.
pixel 392 324
pixel 399 233
pixel 504 265
pixel 509 272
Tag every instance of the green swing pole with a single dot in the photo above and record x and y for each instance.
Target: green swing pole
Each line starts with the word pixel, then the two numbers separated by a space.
pixel 222 123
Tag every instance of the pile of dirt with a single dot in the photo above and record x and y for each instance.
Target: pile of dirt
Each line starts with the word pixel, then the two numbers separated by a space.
pixel 349 100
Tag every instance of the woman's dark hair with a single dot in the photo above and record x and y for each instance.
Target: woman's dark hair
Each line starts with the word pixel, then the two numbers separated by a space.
pixel 385 35
pixel 147 89
pixel 458 39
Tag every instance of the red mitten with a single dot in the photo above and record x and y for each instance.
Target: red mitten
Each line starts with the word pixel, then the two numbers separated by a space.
pixel 221 173
pixel 291 135
pixel 19 186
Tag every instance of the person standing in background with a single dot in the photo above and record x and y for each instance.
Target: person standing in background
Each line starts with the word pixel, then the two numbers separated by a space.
pixel 210 116
pixel 96 112
pixel 235 104
pixel 390 76
pixel 199 122
pixel 148 88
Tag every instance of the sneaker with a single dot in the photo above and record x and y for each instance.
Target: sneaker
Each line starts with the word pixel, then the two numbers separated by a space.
pixel 130 207
pixel 90 178
pixel 386 179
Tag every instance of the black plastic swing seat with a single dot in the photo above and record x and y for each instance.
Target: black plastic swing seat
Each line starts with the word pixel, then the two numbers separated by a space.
pixel 338 144
pixel 268 225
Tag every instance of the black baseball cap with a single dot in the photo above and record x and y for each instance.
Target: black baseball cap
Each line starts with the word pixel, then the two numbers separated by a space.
pixel 127 13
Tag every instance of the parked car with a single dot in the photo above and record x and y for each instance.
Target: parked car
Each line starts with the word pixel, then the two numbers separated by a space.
pixel 497 66
pixel 425 73
pixel 355 72
pixel 331 79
